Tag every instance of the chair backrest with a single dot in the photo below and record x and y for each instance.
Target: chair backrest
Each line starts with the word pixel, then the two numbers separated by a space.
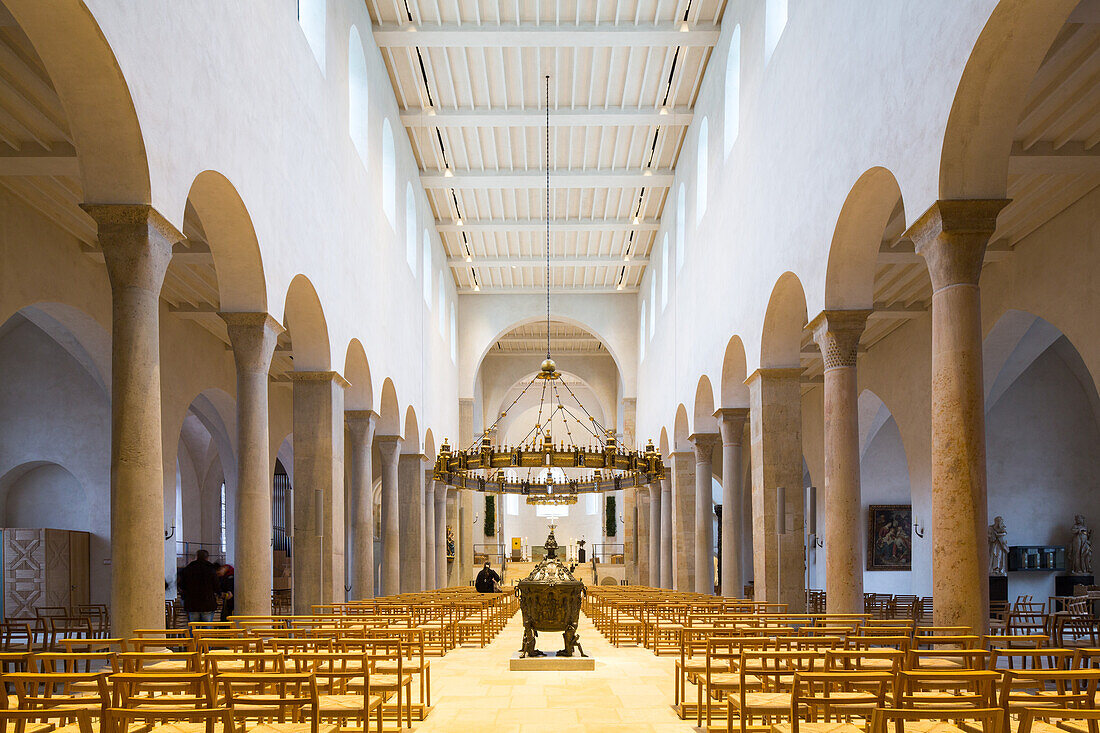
pixel 288 697
pixel 836 696
pixel 121 720
pixel 73 662
pixel 156 643
pixel 62 715
pixel 162 690
pixel 136 662
pixel 222 661
pixel 868 660
pixel 887 720
pixel 942 688
pixel 36 691
pixel 900 643
pixel 334 671
pixel 1058 687
pixel 1063 716
pixel 774 669
pixel 947 658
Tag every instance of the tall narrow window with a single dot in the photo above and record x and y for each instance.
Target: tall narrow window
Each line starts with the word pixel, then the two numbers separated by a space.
pixel 641 335
pixel 775 20
pixel 454 336
pixel 311 16
pixel 652 304
pixel 221 517
pixel 511 504
pixel 702 159
pixel 664 273
pixel 441 301
pixel 427 269
pixel 681 227
pixel 733 89
pixel 357 94
pixel 389 175
pixel 410 228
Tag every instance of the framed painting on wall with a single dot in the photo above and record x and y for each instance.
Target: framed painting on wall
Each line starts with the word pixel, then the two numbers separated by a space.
pixel 890 537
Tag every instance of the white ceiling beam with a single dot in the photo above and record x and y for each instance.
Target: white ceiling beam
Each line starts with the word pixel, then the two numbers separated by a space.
pixel 660 178
pixel 1042 157
pixel 534 290
pixel 593 117
pixel 559 340
pixel 587 261
pixel 556 225
pixel 568 35
pixel 884 312
pixel 34 160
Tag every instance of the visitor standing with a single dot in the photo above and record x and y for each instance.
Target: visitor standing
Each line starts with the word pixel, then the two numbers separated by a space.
pixel 487 580
pixel 225 589
pixel 199 588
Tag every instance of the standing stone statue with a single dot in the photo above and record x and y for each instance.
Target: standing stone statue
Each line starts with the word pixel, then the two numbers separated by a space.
pixel 998 546
pixel 1080 548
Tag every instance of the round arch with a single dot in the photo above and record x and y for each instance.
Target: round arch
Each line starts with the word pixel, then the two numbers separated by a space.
pixel 389 410
pixel 681 429
pixel 734 373
pixel 305 320
pixel 114 168
pixel 991 95
pixel 412 432
pixel 781 339
pixel 231 236
pixel 857 236
pixel 359 395
pixel 703 417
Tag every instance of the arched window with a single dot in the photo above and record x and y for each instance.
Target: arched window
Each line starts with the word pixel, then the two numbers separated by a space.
pixel 427 269
pixel 681 227
pixel 442 301
pixel 664 273
pixel 311 16
pixel 389 175
pixel 733 89
pixel 410 228
pixel 641 334
pixel 454 336
pixel 357 94
pixel 652 304
pixel 775 20
pixel 702 159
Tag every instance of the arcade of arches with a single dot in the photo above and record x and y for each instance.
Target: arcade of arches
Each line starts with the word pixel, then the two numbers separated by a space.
pixel 256 267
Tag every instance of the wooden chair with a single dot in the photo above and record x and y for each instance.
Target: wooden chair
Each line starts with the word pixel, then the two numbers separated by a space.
pixel 222 662
pixel 162 691
pixel 1074 720
pixel 413 662
pixel 1061 688
pixel 776 672
pixel 929 659
pixel 935 720
pixel 160 662
pixel 941 689
pixel 44 691
pixel 39 721
pixel 829 702
pixel 343 684
pixel 176 719
pixel 281 703
pixel 721 675
pixel 864 660
pixel 398 683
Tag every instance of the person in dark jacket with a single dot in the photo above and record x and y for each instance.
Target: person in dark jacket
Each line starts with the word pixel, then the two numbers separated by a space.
pixel 199 587
pixel 225 589
pixel 487 580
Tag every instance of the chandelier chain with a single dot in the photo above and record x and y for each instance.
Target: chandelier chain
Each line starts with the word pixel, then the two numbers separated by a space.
pixel 547 216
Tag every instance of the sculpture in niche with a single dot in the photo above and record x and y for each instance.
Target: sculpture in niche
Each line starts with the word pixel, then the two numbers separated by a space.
pixel 998 546
pixel 1080 547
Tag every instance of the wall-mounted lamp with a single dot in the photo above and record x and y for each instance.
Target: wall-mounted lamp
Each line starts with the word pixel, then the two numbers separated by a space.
pixel 918 528
pixel 816 541
pixel 169 532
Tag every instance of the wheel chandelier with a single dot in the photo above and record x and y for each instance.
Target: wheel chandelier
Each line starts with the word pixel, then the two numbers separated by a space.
pixel 600 466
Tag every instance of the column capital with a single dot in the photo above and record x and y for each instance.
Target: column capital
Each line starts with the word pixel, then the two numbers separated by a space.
pixel 773 373
pixel 253 337
pixel 952 235
pixel 731 423
pixel 137 244
pixel 704 443
pixel 837 333
pixel 361 423
pixel 320 376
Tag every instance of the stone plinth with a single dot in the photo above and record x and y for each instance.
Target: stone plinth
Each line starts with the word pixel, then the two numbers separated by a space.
pixel 551 663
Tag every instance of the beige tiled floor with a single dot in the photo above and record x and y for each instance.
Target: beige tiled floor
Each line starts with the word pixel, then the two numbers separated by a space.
pixel 630 690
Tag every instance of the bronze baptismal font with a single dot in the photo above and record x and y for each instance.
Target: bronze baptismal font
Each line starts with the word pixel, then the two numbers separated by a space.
pixel 550 600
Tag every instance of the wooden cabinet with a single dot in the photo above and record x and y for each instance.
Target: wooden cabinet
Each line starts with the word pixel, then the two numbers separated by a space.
pixel 43 567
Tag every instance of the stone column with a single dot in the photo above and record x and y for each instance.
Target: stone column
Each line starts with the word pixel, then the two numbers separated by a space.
pixel 666 529
pixel 429 530
pixel 641 503
pixel 361 425
pixel 318 560
pixel 410 495
pixel 628 528
pixel 137 247
pixel 655 536
pixel 440 535
pixel 731 424
pixel 704 513
pixel 253 337
pixel 683 521
pixel 453 576
pixel 464 561
pixel 837 334
pixel 952 237
pixel 775 422
pixel 389 450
